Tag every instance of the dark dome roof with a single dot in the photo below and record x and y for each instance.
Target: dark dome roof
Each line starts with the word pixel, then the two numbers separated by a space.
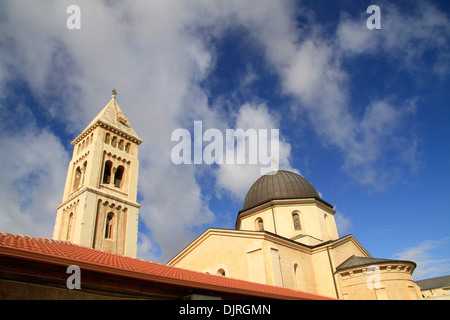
pixel 279 185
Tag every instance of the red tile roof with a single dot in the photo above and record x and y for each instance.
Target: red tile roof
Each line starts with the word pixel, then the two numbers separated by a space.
pixel 67 253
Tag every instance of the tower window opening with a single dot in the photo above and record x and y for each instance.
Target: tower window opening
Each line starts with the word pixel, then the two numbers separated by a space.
pixel 121 145
pixel 118 177
pixel 114 142
pixel 83 171
pixel 107 138
pixel 107 172
pixel 69 226
pixel 109 226
pixel 77 181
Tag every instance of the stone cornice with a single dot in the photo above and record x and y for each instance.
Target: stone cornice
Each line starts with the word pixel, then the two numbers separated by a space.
pixel 100 193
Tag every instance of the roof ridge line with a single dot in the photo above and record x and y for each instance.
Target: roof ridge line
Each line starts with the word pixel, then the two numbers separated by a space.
pixel 33 238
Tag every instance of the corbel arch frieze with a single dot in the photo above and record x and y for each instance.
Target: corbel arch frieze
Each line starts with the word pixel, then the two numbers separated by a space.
pixel 116 159
pixel 71 205
pixel 81 158
pixel 114 206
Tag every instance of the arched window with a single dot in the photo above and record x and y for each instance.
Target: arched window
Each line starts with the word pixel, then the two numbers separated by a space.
pixel 69 226
pixel 259 224
pixel 107 172
pixel 127 147
pixel 107 138
pixel 114 142
pixel 83 171
pixel 109 228
pixel 118 177
pixel 297 277
pixel 221 272
pixel 76 183
pixel 121 144
pixel 296 221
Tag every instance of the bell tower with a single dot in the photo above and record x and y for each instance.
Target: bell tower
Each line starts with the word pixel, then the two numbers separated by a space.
pixel 99 208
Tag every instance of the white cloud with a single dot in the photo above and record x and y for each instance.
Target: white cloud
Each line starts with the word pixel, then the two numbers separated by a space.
pixel 343 222
pixel 156 54
pixel 427 265
pixel 145 52
pixel 405 37
pixel 353 37
pixel 34 167
pixel 312 70
pixel 238 178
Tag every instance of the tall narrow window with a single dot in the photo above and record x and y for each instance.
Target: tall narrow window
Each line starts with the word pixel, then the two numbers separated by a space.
pixel 69 226
pixel 107 138
pixel 83 171
pixel 259 224
pixel 296 220
pixel 127 147
pixel 118 177
pixel 76 183
pixel 107 172
pixel 109 228
pixel 297 277
pixel 114 142
pixel 121 144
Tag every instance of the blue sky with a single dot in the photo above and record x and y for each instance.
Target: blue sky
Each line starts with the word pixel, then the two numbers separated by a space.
pixel 363 114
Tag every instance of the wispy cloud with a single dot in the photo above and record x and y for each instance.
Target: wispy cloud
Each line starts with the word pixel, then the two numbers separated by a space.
pixel 156 54
pixel 343 223
pixel 428 265
pixel 236 179
pixel 34 165
pixel 312 70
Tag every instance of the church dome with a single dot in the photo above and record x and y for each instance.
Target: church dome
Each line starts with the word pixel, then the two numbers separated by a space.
pixel 279 185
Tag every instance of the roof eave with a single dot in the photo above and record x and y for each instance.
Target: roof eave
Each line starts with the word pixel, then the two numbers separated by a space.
pixel 92 126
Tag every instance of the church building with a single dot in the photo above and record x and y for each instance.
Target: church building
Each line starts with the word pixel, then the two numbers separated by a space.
pixel 285 244
pixel 286 236
pixel 99 208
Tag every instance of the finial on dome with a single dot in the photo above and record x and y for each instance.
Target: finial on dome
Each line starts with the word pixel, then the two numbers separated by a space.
pixel 114 93
pixel 274 164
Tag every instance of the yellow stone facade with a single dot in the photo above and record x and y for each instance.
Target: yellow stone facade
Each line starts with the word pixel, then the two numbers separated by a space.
pixel 99 208
pixel 285 235
pixel 294 243
pixel 390 280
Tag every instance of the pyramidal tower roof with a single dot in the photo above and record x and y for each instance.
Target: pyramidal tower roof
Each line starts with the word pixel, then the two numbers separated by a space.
pixel 114 118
